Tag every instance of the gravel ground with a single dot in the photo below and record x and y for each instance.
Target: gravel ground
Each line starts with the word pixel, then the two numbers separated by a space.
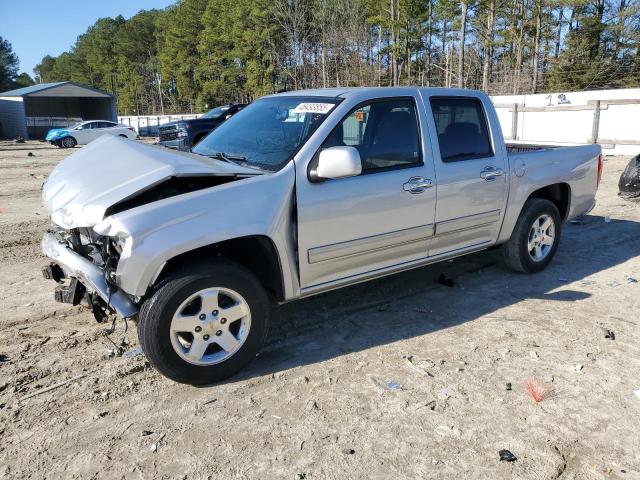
pixel 396 378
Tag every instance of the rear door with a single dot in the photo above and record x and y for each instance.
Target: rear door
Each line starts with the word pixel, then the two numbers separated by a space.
pixel 353 226
pixel 472 172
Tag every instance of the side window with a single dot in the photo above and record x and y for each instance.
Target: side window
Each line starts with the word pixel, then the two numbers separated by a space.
pixel 87 126
pixel 462 129
pixel 106 124
pixel 385 133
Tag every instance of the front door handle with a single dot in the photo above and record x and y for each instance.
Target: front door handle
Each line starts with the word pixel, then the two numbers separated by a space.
pixel 490 172
pixel 417 185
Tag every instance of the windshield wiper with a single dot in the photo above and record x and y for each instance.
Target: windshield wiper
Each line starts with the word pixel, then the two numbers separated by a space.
pixel 227 157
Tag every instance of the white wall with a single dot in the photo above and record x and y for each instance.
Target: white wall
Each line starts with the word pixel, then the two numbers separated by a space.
pixel 569 118
pixel 147 125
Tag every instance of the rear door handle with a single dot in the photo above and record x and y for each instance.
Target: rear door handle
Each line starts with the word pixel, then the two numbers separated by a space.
pixel 417 185
pixel 490 172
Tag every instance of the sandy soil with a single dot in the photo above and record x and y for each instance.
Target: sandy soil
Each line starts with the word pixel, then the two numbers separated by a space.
pixel 397 378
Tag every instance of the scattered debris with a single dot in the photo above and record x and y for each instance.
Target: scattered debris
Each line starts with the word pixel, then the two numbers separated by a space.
pixel 509 386
pixel 632 280
pixel 446 281
pixel 348 451
pixel 420 365
pixel 153 447
pixel 579 367
pixel 445 431
pixel 577 221
pixel 30 154
pixel 300 476
pixel 53 387
pixel 507 456
pixel 18 139
pixel 563 280
pixel 607 219
pixel 538 391
pixel 608 333
pixel 3 358
pixel 210 401
pixel 134 352
pixel 393 385
pixel 533 354
pixel 636 393
pixel 146 433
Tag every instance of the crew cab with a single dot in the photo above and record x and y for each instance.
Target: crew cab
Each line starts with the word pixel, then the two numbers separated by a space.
pixel 184 134
pixel 298 194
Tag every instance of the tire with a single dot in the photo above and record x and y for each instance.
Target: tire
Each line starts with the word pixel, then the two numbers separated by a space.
pixel 68 142
pixel 171 353
pixel 531 230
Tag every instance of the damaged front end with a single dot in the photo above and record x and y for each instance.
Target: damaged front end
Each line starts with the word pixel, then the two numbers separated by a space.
pixel 84 263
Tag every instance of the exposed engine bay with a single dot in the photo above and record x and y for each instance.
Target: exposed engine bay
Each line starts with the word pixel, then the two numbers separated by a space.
pixel 171 187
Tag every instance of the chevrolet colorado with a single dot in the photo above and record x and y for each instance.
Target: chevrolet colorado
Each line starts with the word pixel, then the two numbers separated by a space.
pixel 297 194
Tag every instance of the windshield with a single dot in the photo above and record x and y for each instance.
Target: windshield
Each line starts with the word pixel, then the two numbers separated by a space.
pixel 267 133
pixel 216 112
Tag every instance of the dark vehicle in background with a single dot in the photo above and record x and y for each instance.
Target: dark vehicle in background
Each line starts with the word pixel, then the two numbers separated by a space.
pixel 184 134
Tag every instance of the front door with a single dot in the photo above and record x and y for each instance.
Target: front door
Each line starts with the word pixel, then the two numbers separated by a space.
pixel 385 216
pixel 86 133
pixel 472 175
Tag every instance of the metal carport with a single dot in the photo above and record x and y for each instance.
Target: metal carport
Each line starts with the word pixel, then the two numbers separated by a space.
pixel 30 111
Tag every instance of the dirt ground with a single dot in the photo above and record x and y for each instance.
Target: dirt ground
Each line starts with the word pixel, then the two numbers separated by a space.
pixel 396 378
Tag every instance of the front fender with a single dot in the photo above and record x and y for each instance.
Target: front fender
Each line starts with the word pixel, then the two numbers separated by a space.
pixel 155 233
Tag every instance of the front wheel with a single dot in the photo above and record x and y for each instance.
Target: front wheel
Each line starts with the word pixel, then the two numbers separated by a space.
pixel 535 238
pixel 68 142
pixel 200 328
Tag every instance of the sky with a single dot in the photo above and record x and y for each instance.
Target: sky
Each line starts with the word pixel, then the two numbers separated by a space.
pixel 36 28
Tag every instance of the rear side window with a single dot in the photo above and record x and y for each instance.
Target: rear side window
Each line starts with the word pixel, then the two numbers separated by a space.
pixel 462 129
pixel 385 133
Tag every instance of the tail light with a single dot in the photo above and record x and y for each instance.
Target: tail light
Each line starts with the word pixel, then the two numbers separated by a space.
pixel 600 166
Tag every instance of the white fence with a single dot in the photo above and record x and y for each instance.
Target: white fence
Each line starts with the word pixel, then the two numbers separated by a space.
pixel 147 125
pixel 607 117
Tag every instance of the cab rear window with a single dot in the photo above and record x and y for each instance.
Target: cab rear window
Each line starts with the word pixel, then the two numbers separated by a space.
pixel 462 128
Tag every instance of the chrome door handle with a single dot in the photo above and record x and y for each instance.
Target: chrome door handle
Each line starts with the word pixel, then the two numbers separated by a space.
pixel 490 172
pixel 417 185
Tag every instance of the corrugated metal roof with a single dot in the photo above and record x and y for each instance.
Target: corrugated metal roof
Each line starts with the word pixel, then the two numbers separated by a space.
pixel 46 89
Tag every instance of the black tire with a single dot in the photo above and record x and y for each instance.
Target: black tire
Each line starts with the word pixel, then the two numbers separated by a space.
pixel 68 142
pixel 516 252
pixel 158 309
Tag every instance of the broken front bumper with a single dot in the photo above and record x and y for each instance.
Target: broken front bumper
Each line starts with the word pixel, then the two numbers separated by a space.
pixel 75 265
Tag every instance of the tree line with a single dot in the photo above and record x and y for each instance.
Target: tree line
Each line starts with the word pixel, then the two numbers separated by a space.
pixel 197 54
pixel 9 62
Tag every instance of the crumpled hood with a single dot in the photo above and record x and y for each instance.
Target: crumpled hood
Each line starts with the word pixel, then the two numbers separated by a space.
pixel 110 169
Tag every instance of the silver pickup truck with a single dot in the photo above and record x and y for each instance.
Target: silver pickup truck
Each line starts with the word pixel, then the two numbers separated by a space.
pixel 299 193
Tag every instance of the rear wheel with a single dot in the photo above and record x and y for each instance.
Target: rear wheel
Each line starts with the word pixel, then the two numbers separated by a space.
pixel 68 142
pixel 535 238
pixel 200 328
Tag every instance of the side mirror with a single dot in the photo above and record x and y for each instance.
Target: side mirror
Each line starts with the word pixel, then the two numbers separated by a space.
pixel 337 162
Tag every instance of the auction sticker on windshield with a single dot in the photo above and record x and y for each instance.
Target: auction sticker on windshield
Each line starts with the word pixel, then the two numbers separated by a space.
pixel 322 108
